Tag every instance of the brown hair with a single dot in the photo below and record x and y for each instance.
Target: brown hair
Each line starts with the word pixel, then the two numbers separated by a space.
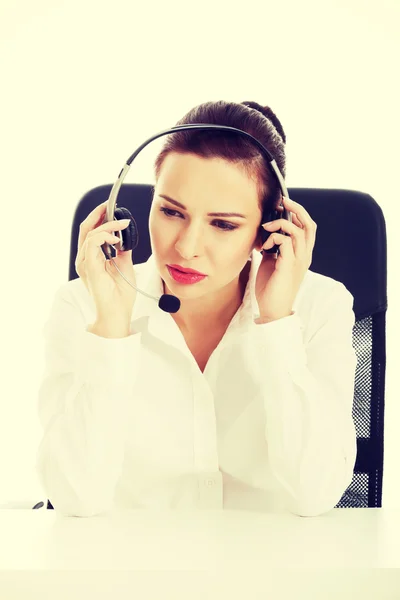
pixel 259 121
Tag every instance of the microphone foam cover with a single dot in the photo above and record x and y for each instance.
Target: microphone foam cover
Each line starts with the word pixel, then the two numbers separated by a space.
pixel 169 303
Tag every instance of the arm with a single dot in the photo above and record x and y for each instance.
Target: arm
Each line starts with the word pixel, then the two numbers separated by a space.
pixel 83 403
pixel 308 400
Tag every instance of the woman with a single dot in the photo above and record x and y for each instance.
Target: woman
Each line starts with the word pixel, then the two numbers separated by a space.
pixel 241 399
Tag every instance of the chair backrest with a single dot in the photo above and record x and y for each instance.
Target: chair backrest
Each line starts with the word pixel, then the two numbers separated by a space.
pixel 350 247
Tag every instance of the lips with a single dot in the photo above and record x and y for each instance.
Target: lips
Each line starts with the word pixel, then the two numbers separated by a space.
pixel 186 271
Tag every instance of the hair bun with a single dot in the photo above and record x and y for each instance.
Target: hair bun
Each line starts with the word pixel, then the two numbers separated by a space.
pixel 267 112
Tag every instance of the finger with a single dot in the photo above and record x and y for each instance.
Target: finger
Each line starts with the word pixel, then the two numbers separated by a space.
pixel 81 254
pixel 111 226
pixel 91 249
pixel 91 222
pixel 283 224
pixel 294 229
pixel 106 228
pixel 300 212
pixel 284 242
pixel 296 221
pixel 303 220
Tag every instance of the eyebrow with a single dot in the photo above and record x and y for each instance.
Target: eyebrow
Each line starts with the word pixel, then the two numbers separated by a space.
pixel 212 214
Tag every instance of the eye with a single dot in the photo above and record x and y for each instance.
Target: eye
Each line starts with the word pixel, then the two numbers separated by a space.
pixel 225 225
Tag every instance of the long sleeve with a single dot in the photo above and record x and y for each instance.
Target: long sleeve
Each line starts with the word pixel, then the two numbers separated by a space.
pixel 308 399
pixel 83 403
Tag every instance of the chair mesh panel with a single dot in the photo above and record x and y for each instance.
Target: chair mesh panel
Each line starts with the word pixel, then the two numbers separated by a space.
pixel 356 494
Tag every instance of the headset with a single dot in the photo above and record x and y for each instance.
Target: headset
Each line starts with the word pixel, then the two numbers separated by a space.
pixel 129 237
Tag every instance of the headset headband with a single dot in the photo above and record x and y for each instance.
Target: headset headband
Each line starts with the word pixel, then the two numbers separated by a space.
pixel 112 199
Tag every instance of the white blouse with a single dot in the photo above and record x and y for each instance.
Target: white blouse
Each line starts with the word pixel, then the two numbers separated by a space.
pixel 134 423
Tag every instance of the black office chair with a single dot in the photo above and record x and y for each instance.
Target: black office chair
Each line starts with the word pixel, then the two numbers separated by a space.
pixel 350 247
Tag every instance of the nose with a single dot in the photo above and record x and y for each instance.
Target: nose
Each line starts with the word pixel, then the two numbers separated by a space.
pixel 189 242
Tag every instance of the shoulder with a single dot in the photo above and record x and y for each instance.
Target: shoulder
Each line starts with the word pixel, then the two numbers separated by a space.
pixel 322 298
pixel 322 284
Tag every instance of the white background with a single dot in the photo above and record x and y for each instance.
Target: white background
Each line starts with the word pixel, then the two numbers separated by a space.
pixel 84 83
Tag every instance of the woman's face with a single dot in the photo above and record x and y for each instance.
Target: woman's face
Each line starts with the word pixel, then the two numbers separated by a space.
pixel 218 246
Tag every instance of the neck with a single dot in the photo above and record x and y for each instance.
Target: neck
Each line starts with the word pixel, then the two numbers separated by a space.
pixel 194 317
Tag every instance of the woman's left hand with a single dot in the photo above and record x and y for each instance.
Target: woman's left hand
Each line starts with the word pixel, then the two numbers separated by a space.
pixel 279 279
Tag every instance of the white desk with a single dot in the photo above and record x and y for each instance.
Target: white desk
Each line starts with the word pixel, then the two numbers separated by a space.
pixel 169 555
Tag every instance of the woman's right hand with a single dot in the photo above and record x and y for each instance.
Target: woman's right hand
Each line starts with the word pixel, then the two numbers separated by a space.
pixel 113 296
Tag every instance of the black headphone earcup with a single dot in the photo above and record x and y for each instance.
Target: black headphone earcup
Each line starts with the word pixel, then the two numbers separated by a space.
pixel 130 235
